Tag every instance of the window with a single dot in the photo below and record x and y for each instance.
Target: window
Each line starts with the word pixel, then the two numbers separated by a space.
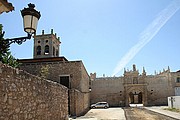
pixel 46 52
pixel 178 80
pixel 54 51
pixel 57 53
pixel 38 50
pixel 64 80
pixel 135 80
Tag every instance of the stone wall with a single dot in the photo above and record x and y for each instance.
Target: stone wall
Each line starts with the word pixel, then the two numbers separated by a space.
pixel 25 96
pixel 108 89
pixel 75 69
pixel 80 102
pixel 79 80
pixel 159 88
pixel 155 88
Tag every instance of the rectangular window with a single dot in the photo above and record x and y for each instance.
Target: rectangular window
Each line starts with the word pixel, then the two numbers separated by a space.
pixel 178 80
pixel 65 80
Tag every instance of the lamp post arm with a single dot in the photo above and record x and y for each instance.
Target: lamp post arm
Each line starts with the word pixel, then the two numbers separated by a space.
pixel 19 40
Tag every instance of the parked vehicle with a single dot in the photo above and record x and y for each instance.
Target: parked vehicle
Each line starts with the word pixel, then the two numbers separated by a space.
pixel 100 105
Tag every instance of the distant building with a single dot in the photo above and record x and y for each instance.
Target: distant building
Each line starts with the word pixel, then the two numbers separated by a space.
pixel 5 6
pixel 72 74
pixel 135 88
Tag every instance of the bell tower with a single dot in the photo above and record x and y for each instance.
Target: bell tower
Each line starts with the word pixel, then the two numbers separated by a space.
pixel 46 45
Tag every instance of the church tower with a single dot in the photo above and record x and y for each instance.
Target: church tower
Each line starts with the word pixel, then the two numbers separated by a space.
pixel 46 45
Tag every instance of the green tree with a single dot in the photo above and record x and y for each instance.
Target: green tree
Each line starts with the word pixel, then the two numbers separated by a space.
pixel 5 54
pixel 10 60
pixel 44 72
pixel 4 47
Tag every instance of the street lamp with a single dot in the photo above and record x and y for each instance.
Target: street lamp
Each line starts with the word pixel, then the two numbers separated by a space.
pixel 30 18
pixel 30 21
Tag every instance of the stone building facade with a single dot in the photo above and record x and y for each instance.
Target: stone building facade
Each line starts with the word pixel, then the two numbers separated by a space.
pixel 24 96
pixel 135 88
pixel 72 74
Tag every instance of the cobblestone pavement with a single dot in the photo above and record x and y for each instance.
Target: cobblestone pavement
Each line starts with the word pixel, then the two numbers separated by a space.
pixel 103 114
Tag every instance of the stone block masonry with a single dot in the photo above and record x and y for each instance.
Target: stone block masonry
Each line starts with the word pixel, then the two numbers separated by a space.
pixel 26 97
pixel 78 80
pixel 79 104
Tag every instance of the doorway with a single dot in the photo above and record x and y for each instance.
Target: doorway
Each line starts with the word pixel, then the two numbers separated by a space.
pixel 135 97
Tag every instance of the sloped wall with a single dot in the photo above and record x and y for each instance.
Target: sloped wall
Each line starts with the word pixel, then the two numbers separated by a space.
pixel 25 97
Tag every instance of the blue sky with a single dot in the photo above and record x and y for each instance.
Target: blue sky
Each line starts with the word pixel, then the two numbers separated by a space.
pixel 101 32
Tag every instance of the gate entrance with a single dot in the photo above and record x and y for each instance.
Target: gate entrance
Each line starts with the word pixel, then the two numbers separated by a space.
pixel 135 97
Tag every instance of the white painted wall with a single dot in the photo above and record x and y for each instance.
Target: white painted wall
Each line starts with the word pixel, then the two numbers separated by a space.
pixel 174 102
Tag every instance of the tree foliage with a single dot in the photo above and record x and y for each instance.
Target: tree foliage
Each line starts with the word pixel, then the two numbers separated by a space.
pixel 4 47
pixel 10 60
pixel 44 71
pixel 5 54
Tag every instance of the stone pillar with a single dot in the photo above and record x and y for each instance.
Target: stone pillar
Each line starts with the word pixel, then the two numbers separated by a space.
pixel 145 96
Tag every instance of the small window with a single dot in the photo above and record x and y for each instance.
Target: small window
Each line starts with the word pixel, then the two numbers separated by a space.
pixel 46 52
pixel 39 41
pixel 46 41
pixel 65 80
pixel 54 51
pixel 178 80
pixel 38 50
pixel 57 53
pixel 135 80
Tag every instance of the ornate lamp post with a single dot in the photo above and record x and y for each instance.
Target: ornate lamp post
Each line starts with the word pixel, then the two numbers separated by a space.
pixel 30 20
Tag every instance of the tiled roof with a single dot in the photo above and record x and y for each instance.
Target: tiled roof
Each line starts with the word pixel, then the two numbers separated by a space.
pixel 36 60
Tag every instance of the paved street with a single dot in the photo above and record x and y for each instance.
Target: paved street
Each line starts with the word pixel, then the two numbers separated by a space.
pixel 104 114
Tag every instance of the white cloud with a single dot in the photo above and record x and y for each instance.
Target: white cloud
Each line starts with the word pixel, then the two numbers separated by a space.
pixel 147 35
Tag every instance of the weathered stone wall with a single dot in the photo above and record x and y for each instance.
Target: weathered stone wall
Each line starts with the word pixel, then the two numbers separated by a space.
pixel 26 97
pixel 79 79
pixel 155 88
pixel 80 102
pixel 159 88
pixel 79 76
pixel 85 79
pixel 108 89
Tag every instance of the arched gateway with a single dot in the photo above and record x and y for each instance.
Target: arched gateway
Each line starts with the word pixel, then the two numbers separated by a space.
pixel 135 95
pixel 135 87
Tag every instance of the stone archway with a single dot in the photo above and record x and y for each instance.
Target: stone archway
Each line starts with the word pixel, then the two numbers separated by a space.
pixel 135 95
